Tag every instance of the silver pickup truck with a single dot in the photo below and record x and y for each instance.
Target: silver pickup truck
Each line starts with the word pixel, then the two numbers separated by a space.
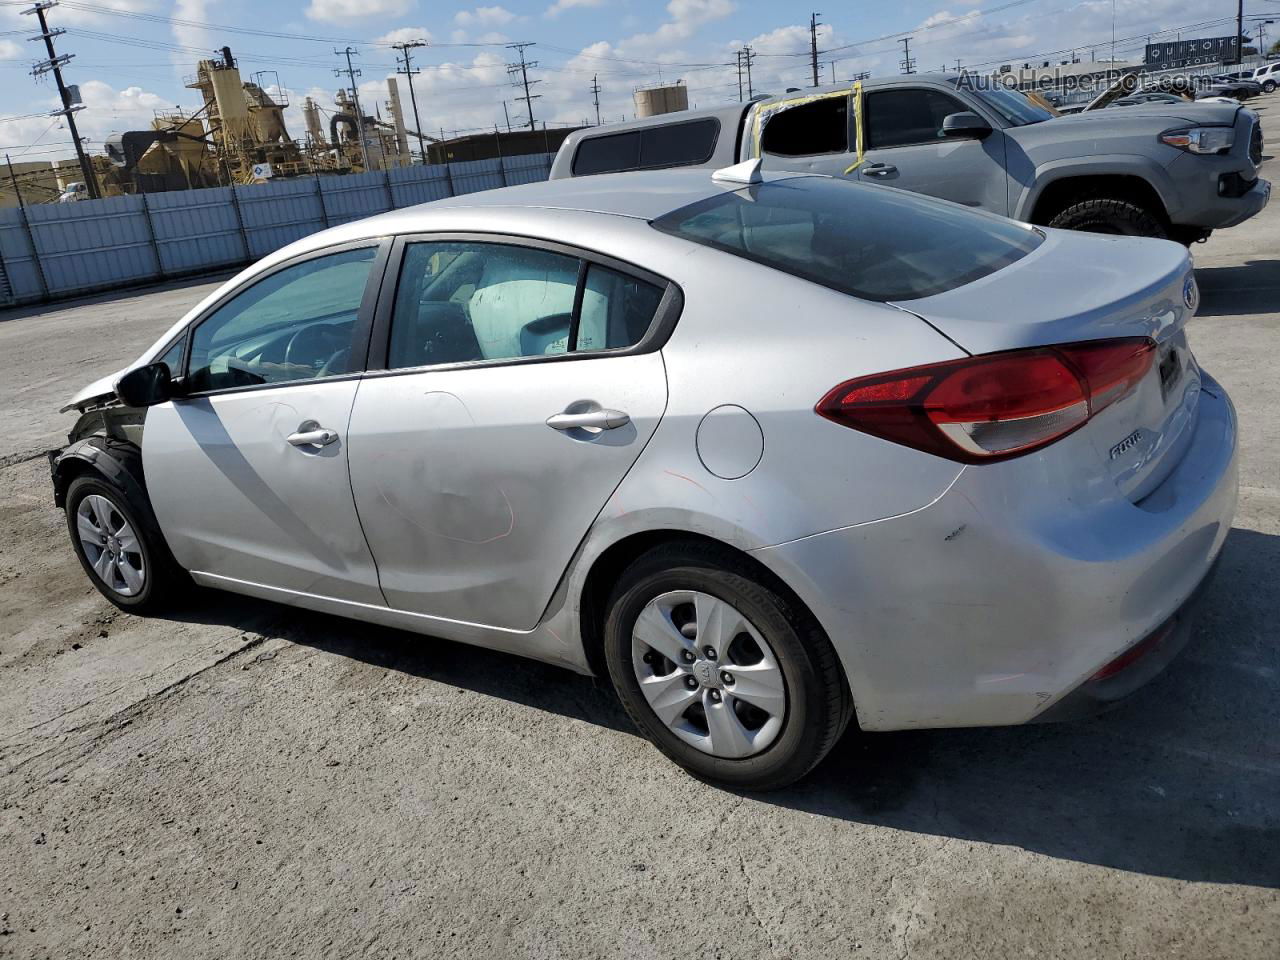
pixel 1176 171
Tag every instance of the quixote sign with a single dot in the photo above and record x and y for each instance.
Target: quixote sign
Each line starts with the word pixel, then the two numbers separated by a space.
pixel 1191 53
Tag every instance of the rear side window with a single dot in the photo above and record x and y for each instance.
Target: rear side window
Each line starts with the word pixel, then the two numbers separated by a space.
pixel 812 128
pixel 665 145
pixel 870 243
pixel 897 118
pixel 462 302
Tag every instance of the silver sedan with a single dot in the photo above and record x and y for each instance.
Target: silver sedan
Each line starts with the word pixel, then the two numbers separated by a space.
pixel 774 454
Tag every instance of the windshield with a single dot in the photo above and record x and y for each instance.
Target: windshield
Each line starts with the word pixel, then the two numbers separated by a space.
pixel 1013 106
pixel 871 242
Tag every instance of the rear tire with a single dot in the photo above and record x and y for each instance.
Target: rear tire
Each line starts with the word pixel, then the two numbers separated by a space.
pixel 771 633
pixel 118 542
pixel 1110 216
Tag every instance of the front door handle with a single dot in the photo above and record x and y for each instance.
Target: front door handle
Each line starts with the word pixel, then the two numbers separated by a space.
pixel 879 169
pixel 317 437
pixel 589 420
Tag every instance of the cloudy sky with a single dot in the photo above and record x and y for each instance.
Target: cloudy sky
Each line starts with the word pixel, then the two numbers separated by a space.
pixel 131 55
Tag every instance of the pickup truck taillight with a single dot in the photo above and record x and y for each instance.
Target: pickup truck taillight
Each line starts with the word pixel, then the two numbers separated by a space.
pixel 993 406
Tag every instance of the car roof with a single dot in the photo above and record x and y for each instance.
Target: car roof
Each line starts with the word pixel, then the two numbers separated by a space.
pixel 643 195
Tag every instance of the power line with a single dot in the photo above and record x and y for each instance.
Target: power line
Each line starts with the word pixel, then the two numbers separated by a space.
pixel 522 68
pixel 409 72
pixel 70 96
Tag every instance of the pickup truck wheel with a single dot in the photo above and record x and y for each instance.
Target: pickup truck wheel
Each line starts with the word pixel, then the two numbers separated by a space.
pixel 1116 217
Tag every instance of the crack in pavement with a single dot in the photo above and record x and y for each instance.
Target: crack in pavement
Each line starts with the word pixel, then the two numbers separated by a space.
pixel 125 716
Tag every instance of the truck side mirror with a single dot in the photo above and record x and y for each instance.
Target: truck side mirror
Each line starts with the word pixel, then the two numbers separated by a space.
pixel 145 386
pixel 965 124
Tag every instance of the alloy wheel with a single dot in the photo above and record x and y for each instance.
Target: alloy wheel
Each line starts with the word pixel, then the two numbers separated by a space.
pixel 110 545
pixel 708 674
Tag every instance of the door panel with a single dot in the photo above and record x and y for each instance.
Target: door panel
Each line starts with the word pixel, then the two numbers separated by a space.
pixel 473 505
pixel 236 498
pixel 903 147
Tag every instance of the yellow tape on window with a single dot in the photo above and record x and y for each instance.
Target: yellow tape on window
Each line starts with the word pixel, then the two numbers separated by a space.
pixel 762 114
pixel 857 127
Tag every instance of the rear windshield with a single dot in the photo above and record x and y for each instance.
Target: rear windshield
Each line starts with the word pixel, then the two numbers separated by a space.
pixel 876 243
pixel 663 145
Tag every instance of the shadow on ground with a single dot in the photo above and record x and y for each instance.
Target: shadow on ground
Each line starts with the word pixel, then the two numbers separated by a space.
pixel 1182 781
pixel 1239 290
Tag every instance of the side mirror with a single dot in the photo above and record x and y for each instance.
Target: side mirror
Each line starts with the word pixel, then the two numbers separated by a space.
pixel 145 386
pixel 965 124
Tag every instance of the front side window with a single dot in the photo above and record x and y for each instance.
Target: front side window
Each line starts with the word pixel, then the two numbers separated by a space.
pixel 295 324
pixel 899 118
pixel 461 302
pixel 811 128
pixel 873 244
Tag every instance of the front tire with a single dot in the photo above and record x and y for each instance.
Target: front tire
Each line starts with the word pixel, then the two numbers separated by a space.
pixel 120 547
pixel 1269 86
pixel 725 673
pixel 1116 217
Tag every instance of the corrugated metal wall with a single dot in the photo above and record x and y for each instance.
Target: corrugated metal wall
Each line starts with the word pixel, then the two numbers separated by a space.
pixel 56 250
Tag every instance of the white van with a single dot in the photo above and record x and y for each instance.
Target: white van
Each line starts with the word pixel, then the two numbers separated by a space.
pixel 1268 75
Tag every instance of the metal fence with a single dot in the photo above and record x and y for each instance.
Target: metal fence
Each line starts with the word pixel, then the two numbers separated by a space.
pixel 57 250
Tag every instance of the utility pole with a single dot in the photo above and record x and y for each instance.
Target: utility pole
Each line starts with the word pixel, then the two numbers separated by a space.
pixel 958 70
pixel 813 44
pixel 506 116
pixel 409 72
pixel 595 93
pixel 1239 33
pixel 70 105
pixel 908 65
pixel 747 56
pixel 522 68
pixel 351 74
pixel 832 65
pixel 739 58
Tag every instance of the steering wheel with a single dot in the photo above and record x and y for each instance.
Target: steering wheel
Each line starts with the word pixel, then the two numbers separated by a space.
pixel 307 345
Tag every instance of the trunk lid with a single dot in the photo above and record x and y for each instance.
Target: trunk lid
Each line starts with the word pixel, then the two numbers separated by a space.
pixel 1077 287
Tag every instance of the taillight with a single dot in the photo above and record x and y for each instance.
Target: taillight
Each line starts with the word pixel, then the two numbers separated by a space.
pixel 994 406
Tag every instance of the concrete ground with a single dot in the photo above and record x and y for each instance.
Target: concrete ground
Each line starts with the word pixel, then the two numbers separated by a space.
pixel 248 780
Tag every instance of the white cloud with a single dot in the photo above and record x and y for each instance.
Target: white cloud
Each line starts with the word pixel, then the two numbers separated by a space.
pixel 686 17
pixel 405 35
pixel 341 11
pixel 560 6
pixel 484 17
pixel 191 36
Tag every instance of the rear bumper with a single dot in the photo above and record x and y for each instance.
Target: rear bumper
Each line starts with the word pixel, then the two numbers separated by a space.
pixel 1017 585
pixel 1138 665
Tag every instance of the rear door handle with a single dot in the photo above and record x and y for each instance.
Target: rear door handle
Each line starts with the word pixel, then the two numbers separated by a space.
pixel 318 437
pixel 879 169
pixel 589 420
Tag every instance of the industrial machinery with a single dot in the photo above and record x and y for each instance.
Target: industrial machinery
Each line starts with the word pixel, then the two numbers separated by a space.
pixel 238 135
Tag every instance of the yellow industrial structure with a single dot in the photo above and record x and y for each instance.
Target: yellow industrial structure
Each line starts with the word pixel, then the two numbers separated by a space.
pixel 238 135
